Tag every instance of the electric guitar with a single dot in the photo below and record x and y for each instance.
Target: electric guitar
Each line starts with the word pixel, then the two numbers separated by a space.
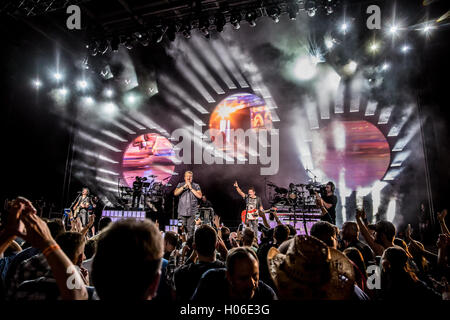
pixel 253 214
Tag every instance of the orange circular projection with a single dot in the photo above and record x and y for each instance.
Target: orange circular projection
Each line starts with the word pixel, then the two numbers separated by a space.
pixel 240 111
pixel 354 150
pixel 149 154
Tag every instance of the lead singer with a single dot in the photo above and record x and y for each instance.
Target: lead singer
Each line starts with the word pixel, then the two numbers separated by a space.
pixel 189 192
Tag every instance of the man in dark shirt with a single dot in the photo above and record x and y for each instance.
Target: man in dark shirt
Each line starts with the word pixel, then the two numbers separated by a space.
pixel 329 201
pixel 350 237
pixel 238 282
pixel 253 204
pixel 137 192
pixel 189 193
pixel 188 275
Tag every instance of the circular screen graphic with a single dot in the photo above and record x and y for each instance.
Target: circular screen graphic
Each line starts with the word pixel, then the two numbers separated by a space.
pixel 149 155
pixel 356 149
pixel 240 111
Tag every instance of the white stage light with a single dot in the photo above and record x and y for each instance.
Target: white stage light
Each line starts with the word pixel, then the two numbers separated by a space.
pixel 385 66
pixel 393 29
pixel 37 83
pixel 63 91
pixel 329 43
pixel 305 68
pixel 89 101
pixel 82 84
pixel 57 76
pixel 405 48
pixel 374 47
pixel 344 27
pixel 131 99
pixel 109 93
pixel 109 108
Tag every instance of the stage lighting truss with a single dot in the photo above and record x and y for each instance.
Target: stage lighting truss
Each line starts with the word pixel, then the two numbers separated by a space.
pixel 209 17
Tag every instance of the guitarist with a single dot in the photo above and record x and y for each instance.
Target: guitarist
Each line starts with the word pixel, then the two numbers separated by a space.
pixel 82 206
pixel 253 207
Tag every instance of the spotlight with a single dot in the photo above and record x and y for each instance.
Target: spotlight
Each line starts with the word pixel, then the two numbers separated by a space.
pixel 171 32
pixel 220 22
pixel 89 101
pixel 63 91
pixel 344 27
pixel 103 46
pixel 292 10
pixel 405 48
pixel 158 34
pixel 310 7
pixel 186 30
pixel 109 108
pixel 115 42
pixel 57 76
pixel 235 20
pixel 109 93
pixel 329 43
pixel 251 18
pixel 37 83
pixel 82 84
pixel 385 67
pixel 204 27
pixel 393 29
pixel 131 99
pixel 427 29
pixel 274 13
pixel 374 47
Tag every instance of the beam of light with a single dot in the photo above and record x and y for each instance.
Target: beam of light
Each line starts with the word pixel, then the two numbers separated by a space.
pixel 392 174
pixel 195 81
pixel 173 100
pixel 109 189
pixel 397 127
pixel 443 17
pixel 403 141
pixel 149 123
pixel 385 114
pixel 173 88
pixel 400 157
pixel 121 126
pixel 394 29
pixel 326 88
pixel 344 27
pixel 107 181
pixel 93 154
pixel 133 122
pixel 385 66
pixel 299 130
pixel 188 113
pixel 376 197
pixel 343 192
pixel 223 53
pixel 107 171
pixel 86 166
pixel 371 108
pixel 87 137
pixel 213 61
pixel 311 113
pixel 390 213
pixel 355 92
pixel 113 135
pixel 339 103
pixel 339 136
pixel 271 105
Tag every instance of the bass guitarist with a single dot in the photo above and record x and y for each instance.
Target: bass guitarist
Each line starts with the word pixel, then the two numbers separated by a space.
pixel 253 207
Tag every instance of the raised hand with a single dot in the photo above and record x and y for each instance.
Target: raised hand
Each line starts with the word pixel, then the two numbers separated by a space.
pixel 441 215
pixel 37 231
pixel 236 184
pixel 18 207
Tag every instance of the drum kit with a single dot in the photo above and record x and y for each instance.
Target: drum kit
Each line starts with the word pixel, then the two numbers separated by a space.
pixel 296 195
pixel 152 192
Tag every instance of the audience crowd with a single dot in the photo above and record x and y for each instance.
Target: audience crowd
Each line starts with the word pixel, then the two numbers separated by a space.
pixel 43 259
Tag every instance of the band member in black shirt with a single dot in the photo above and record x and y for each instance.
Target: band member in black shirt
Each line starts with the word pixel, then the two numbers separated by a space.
pixel 137 192
pixel 253 204
pixel 329 201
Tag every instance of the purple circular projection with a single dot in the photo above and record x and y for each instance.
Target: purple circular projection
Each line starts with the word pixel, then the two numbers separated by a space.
pixel 356 149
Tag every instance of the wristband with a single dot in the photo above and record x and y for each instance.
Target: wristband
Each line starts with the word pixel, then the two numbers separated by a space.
pixel 46 252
